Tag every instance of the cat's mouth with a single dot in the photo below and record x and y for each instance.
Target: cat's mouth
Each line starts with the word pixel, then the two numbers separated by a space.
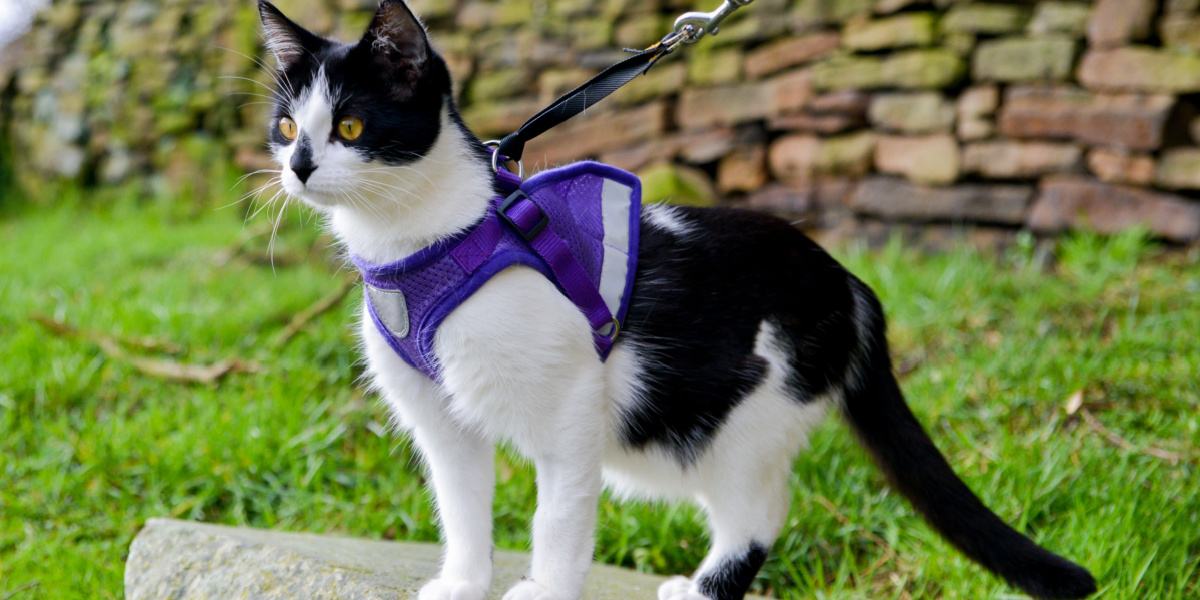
pixel 310 193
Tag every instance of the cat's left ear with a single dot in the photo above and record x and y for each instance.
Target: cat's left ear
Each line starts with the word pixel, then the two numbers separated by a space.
pixel 397 42
pixel 288 41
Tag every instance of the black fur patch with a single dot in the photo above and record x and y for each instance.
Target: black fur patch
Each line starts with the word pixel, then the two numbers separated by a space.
pixel 733 577
pixel 698 303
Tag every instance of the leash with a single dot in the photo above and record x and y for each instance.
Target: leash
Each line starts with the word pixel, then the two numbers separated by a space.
pixel 689 28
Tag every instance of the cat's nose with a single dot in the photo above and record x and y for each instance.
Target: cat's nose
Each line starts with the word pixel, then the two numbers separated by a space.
pixel 303 171
pixel 302 160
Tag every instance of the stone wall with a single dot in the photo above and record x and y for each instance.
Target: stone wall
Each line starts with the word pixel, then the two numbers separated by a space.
pixel 1039 114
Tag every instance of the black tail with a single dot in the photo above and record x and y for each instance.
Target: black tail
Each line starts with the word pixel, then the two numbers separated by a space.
pixel 876 409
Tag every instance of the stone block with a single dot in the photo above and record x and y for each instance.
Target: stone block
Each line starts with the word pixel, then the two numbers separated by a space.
pixel 1118 22
pixel 1119 166
pixel 1020 59
pixel 849 73
pixel 909 70
pixel 811 13
pixel 676 184
pixel 789 52
pixel 802 199
pixel 640 31
pixel 985 18
pixel 1142 69
pixel 714 66
pixel 176 559
pixel 923 69
pixel 1180 32
pixel 1069 202
pixel 789 92
pixel 590 34
pixel 1175 7
pixel 960 43
pixel 819 123
pixel 743 170
pixel 1179 169
pixel 910 29
pixel 801 158
pixel 979 101
pixel 827 114
pixel 1131 121
pixel 971 129
pixel 932 159
pixel 847 102
pixel 729 105
pixel 921 112
pixel 705 146
pixel 1007 159
pixel 893 198
pixel 1054 16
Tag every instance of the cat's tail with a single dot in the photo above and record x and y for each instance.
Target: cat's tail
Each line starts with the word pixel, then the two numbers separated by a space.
pixel 876 409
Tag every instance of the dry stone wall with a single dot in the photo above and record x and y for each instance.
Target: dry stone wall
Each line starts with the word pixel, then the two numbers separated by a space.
pixel 1040 114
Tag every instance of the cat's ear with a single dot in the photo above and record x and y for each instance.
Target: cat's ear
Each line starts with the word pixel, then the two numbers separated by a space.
pixel 285 39
pixel 397 42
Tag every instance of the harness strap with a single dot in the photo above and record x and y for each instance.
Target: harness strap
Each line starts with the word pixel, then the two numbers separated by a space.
pixel 529 221
pixel 580 99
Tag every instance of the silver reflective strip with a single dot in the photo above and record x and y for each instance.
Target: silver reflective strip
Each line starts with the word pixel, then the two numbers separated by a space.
pixel 391 308
pixel 616 200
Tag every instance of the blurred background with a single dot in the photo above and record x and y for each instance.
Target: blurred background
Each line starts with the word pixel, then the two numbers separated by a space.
pixel 1020 181
pixel 1045 116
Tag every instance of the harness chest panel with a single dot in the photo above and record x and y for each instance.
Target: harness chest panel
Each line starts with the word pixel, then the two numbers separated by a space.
pixel 577 225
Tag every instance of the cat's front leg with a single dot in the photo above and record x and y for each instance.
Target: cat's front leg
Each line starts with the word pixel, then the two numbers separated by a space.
pixel 567 459
pixel 461 465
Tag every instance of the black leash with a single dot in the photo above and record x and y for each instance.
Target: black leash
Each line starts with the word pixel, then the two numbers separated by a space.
pixel 580 99
pixel 689 28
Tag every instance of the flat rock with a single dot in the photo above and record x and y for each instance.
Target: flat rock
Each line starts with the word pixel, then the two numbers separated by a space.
pixel 178 559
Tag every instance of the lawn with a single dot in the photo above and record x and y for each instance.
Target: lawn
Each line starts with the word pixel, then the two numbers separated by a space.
pixel 993 347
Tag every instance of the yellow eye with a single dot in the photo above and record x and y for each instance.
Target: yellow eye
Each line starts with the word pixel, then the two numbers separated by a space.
pixel 349 128
pixel 287 128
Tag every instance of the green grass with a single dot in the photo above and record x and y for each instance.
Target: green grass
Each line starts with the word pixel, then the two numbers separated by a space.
pixel 90 448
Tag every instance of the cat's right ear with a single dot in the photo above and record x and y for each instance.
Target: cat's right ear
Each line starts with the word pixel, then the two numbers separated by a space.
pixel 285 39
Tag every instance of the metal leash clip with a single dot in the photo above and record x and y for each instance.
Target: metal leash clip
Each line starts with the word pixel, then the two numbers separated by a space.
pixel 690 27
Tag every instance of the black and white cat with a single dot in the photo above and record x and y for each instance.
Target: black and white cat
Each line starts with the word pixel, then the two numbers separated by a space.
pixel 741 333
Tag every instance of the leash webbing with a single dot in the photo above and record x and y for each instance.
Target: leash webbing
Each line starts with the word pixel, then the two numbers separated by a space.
pixel 580 99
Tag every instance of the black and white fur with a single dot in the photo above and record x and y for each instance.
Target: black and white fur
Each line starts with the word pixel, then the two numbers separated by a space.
pixel 741 334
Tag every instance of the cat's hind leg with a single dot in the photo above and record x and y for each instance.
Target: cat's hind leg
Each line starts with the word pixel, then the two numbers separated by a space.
pixel 744 517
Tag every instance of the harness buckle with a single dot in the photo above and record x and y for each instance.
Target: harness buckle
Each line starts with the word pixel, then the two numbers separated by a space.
pixel 526 231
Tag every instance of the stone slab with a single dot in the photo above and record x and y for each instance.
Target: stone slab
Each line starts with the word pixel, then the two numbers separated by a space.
pixel 181 560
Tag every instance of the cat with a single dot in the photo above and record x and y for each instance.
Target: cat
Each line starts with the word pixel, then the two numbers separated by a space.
pixel 741 333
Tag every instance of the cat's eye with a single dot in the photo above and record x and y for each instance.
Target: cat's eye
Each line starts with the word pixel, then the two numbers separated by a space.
pixel 349 128
pixel 287 128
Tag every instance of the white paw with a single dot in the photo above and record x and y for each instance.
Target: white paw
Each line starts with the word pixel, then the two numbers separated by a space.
pixel 452 589
pixel 532 590
pixel 679 588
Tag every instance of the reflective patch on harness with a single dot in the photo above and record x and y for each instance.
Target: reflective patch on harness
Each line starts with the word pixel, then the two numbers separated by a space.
pixel 391 308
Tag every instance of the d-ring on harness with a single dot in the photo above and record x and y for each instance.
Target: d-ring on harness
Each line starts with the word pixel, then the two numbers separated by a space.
pixel 577 225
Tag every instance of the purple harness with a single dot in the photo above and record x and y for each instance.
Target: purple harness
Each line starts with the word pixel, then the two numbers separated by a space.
pixel 577 225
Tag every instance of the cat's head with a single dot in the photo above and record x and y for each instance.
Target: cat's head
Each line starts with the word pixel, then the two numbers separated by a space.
pixel 350 117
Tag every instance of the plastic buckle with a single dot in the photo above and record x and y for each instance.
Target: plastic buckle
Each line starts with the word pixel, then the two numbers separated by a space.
pixel 508 203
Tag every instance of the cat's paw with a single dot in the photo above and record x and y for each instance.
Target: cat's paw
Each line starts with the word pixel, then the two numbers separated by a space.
pixel 532 590
pixel 452 589
pixel 679 588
